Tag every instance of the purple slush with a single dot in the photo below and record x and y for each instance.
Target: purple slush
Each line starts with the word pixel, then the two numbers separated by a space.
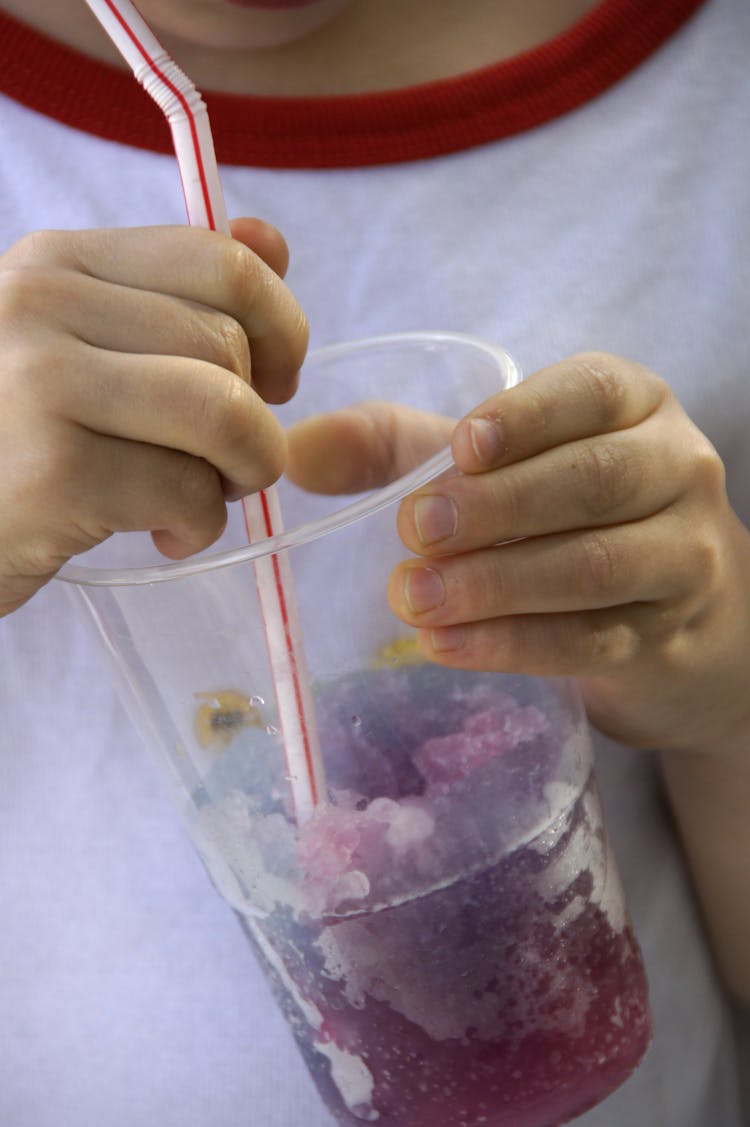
pixel 457 952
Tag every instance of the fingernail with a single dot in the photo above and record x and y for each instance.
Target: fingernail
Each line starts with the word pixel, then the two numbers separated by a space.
pixel 447 638
pixel 424 589
pixel 436 518
pixel 486 437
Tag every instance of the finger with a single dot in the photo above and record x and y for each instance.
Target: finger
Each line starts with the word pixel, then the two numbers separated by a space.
pixel 200 266
pixel 182 404
pixel 264 240
pixel 121 319
pixel 587 643
pixel 588 394
pixel 590 483
pixel 554 574
pixel 186 513
pixel 81 487
pixel 362 447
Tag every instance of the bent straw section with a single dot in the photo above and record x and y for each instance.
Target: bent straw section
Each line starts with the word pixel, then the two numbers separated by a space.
pixel 187 116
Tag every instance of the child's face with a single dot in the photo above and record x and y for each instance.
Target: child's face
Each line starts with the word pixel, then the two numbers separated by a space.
pixel 239 24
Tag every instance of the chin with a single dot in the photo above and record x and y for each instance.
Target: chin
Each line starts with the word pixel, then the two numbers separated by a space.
pixel 240 24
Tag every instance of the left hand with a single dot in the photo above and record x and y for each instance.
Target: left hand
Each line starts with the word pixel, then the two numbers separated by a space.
pixel 588 534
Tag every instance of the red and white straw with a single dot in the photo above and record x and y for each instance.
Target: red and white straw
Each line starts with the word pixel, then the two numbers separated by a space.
pixel 187 116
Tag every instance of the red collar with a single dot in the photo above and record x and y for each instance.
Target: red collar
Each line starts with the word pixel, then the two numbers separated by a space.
pixel 328 132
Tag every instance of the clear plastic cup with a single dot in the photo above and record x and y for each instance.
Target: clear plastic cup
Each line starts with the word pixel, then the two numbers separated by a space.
pixel 447 934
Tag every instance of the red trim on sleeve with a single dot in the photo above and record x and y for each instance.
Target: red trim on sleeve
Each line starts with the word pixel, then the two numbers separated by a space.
pixel 363 129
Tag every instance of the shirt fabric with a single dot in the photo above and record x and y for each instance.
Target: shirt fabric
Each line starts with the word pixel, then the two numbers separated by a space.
pixel 129 994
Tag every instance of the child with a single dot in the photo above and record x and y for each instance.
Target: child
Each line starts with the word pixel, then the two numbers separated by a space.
pixel 559 177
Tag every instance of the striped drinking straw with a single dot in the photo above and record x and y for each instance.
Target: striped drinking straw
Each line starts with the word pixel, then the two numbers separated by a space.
pixel 187 116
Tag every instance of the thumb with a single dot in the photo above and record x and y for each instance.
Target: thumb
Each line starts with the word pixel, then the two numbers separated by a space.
pixel 362 447
pixel 264 240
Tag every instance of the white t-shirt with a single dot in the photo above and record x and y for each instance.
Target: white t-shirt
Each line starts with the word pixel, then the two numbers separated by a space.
pixel 129 993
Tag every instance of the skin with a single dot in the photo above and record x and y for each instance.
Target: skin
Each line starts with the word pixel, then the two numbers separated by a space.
pixel 588 532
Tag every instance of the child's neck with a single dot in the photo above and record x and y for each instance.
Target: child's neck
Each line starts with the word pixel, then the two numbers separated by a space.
pixel 373 45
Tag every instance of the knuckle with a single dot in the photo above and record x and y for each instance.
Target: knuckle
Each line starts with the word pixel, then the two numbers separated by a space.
pixel 299 337
pixel 21 290
pixel 605 383
pixel 538 417
pixel 241 270
pixel 33 248
pixel 32 375
pixel 381 423
pixel 509 501
pixel 492 588
pixel 667 627
pixel 517 646
pixel 477 590
pixel 222 415
pixel 708 468
pixel 706 564
pixel 598 565
pixel 233 346
pixel 611 645
pixel 36 559
pixel 608 477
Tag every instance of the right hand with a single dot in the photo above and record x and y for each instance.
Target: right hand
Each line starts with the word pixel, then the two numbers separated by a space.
pixel 125 382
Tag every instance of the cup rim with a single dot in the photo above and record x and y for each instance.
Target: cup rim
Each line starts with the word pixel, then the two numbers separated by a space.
pixel 87 576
